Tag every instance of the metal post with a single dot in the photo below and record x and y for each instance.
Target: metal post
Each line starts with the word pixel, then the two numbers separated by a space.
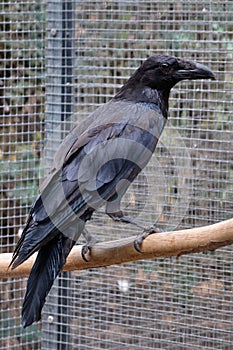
pixel 59 108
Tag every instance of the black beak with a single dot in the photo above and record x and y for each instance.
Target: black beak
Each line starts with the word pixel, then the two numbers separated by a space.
pixel 192 71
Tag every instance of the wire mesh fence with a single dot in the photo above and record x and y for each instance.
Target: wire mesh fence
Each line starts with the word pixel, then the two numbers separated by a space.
pixel 21 137
pixel 92 47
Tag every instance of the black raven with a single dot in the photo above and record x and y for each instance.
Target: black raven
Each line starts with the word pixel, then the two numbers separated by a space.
pixel 94 167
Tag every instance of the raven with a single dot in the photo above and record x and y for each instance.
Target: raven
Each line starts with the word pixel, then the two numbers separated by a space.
pixel 94 167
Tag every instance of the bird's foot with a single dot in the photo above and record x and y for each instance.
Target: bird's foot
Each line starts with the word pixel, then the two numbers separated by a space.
pixel 86 248
pixel 140 238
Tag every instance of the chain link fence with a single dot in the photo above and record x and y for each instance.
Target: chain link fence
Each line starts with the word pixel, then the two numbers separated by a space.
pixel 59 62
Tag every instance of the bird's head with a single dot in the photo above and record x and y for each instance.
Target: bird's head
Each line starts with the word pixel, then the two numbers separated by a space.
pixel 163 72
pixel 157 75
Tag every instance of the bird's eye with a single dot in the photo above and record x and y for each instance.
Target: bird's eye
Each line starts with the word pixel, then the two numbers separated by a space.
pixel 165 67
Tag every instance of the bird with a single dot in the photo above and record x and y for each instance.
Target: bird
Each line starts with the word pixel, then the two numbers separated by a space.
pixel 93 168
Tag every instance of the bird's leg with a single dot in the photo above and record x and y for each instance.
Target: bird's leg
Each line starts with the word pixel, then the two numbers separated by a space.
pixel 90 241
pixel 120 217
pixel 147 229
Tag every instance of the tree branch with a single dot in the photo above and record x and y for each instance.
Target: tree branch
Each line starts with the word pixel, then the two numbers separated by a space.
pixel 157 245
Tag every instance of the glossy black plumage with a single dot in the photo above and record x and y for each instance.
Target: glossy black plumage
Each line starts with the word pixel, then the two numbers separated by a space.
pixel 94 167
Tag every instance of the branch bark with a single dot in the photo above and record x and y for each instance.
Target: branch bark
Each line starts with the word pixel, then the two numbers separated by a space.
pixel 157 245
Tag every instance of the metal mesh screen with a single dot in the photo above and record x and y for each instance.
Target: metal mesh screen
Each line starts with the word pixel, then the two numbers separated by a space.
pixel 169 303
pixel 21 136
pixel 92 48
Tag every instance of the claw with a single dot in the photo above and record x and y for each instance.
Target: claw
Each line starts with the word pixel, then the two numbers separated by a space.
pixel 85 250
pixel 90 241
pixel 147 231
pixel 136 244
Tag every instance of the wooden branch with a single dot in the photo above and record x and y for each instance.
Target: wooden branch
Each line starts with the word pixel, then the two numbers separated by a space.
pixel 157 245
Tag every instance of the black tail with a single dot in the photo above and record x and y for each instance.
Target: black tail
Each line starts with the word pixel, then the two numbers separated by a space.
pixel 48 264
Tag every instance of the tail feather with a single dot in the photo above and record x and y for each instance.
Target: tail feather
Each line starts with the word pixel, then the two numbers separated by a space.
pixel 37 234
pixel 48 264
pixel 35 237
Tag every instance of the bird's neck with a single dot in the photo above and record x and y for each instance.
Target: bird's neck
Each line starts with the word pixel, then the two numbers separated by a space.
pixel 145 94
pixel 158 97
